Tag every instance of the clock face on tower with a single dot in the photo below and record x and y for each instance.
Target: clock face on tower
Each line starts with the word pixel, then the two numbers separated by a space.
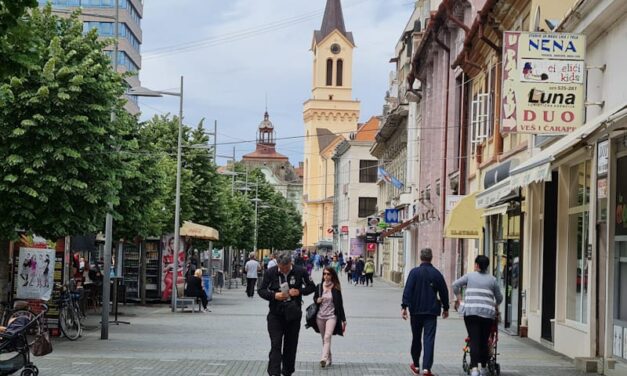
pixel 335 48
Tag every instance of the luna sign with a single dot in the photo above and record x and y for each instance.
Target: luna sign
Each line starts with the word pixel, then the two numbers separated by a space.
pixel 543 82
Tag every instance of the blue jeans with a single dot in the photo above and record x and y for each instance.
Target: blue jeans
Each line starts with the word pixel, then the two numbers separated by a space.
pixel 423 324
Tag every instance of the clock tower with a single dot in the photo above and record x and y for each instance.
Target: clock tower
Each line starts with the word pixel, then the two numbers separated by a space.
pixel 329 116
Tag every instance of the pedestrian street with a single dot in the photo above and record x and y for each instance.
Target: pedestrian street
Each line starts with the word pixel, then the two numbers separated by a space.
pixel 232 340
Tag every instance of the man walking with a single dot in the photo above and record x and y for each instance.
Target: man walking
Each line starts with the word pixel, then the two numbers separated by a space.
pixel 252 267
pixel 423 286
pixel 284 287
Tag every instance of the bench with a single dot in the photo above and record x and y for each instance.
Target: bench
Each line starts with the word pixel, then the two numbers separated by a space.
pixel 185 302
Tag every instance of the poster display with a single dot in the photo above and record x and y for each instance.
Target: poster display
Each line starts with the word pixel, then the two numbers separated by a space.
pixel 167 266
pixel 543 82
pixel 35 273
pixel 357 247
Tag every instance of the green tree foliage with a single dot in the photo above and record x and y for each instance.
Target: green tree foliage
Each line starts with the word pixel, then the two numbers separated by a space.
pixel 58 164
pixel 11 11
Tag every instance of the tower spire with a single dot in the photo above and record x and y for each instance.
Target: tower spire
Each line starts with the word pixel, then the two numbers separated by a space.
pixel 333 20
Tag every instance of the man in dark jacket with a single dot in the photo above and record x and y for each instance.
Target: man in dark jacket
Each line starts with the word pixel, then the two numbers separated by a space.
pixel 283 286
pixel 423 286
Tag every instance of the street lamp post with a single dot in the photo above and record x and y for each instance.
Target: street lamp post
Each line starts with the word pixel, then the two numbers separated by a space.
pixel 143 92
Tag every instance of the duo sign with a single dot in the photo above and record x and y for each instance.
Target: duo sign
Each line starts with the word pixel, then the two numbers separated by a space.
pixel 543 82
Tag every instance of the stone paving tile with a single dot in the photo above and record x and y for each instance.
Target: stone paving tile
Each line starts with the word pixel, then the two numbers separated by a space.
pixel 233 340
pixel 51 366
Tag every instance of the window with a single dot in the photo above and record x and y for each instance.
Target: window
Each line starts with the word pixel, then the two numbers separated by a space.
pixel 367 206
pixel 340 71
pixel 368 171
pixel 479 124
pixel 578 242
pixel 107 29
pixel 329 72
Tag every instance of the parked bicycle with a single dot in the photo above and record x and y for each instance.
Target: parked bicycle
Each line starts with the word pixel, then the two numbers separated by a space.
pixel 21 308
pixel 70 313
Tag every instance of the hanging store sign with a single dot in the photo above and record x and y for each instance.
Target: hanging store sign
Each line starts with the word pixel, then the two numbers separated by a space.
pixel 543 82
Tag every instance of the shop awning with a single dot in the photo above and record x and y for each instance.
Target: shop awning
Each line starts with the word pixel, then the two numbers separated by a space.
pixel 495 210
pixel 538 167
pixel 194 230
pixel 494 194
pixel 464 221
pixel 398 228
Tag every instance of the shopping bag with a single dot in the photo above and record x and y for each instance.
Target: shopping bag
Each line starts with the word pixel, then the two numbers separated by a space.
pixel 42 345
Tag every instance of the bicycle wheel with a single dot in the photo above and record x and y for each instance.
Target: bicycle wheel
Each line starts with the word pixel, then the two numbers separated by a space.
pixel 69 323
pixel 34 330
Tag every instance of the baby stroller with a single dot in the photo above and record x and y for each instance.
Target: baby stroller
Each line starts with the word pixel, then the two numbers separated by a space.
pixel 14 340
pixel 494 368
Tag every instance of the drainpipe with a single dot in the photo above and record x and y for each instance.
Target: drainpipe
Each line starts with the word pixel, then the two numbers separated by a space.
pixel 445 144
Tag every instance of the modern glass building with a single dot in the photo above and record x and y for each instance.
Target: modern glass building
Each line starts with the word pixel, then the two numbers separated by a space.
pixel 100 15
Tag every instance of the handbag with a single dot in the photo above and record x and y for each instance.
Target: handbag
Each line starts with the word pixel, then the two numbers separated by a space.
pixel 311 312
pixel 42 345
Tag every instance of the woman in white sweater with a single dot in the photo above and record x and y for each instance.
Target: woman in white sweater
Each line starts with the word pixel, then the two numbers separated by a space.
pixel 482 297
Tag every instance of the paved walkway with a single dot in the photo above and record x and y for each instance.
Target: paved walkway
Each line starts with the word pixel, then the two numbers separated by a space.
pixel 232 340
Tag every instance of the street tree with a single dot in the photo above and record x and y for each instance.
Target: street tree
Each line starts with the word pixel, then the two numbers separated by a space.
pixel 11 11
pixel 57 141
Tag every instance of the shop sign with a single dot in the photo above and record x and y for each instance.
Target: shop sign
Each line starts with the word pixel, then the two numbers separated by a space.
pixel 602 157
pixel 391 216
pixel 216 254
pixel 620 212
pixel 618 341
pixel 371 247
pixel 344 229
pixel 543 82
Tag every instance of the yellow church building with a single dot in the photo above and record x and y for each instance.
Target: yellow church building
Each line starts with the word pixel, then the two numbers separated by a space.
pixel 329 116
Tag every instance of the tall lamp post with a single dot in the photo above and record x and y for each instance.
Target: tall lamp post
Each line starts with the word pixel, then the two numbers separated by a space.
pixel 143 92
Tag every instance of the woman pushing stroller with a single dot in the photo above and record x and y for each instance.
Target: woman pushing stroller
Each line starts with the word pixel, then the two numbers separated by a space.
pixel 482 297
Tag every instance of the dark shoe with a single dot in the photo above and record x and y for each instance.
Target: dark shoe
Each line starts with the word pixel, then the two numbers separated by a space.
pixel 323 363
pixel 414 370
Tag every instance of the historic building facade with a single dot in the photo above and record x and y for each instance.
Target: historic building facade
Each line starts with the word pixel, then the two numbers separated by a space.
pixel 329 115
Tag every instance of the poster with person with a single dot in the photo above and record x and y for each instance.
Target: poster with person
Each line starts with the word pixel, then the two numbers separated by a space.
pixel 35 273
pixel 167 266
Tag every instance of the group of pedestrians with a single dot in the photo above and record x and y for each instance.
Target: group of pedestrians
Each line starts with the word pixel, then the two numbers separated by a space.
pixel 359 271
pixel 283 287
pixel 426 297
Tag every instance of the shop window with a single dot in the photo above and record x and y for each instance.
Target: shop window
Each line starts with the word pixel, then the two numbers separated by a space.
pixel 578 243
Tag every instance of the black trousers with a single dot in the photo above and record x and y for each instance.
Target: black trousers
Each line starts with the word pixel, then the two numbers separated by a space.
pixel 479 332
pixel 250 286
pixel 283 342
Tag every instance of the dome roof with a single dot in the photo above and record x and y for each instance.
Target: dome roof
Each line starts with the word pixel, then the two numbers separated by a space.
pixel 266 123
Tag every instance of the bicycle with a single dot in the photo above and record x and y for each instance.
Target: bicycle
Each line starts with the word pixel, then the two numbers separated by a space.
pixel 69 314
pixel 22 309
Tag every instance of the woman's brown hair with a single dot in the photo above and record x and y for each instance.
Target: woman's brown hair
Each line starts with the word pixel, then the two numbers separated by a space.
pixel 334 279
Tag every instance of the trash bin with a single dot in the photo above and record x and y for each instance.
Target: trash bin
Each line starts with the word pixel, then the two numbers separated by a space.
pixel 207 284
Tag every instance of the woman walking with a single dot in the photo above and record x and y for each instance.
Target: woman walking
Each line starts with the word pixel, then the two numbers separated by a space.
pixel 369 271
pixel 331 319
pixel 481 300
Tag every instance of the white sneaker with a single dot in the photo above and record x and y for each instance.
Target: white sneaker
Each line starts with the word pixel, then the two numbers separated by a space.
pixel 483 372
pixel 474 372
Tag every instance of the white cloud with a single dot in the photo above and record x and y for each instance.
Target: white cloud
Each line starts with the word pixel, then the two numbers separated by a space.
pixel 264 48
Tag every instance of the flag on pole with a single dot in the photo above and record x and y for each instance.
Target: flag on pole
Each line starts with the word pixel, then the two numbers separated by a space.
pixel 385 176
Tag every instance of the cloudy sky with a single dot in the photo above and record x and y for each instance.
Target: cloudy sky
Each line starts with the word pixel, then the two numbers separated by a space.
pixel 234 53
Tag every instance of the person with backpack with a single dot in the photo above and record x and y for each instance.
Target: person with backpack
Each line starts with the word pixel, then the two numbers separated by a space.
pixel 369 271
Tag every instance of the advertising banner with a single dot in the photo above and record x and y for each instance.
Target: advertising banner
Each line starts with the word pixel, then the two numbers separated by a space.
pixel 167 266
pixel 543 82
pixel 36 273
pixel 357 247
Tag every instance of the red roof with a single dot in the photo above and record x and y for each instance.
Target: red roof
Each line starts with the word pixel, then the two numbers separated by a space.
pixel 265 152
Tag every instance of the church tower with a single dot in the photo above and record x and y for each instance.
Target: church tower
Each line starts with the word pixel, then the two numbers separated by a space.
pixel 329 116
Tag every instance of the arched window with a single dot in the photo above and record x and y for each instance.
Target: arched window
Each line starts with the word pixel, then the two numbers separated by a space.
pixel 329 72
pixel 340 71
